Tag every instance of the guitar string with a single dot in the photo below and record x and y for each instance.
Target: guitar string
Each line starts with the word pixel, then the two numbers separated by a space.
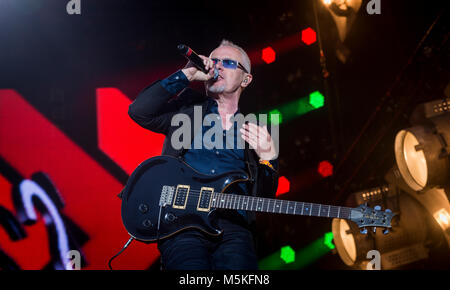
pixel 228 203
pixel 257 199
pixel 197 193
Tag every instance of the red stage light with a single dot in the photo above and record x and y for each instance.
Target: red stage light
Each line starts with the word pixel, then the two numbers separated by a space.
pixel 268 55
pixel 308 36
pixel 284 185
pixel 325 169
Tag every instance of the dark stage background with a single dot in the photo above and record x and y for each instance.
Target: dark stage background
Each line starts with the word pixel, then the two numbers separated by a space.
pixel 66 82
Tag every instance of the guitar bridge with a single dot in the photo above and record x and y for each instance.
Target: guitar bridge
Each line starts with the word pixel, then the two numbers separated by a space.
pixel 166 195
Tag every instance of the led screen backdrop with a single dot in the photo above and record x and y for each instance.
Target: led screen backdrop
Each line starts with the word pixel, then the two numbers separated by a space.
pixel 56 198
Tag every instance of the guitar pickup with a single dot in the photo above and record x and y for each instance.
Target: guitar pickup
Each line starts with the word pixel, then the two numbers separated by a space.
pixel 181 196
pixel 204 200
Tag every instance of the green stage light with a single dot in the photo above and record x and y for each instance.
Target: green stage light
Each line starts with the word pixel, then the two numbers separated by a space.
pixel 299 107
pixel 328 238
pixel 273 119
pixel 316 99
pixel 311 253
pixel 287 254
pixel 287 258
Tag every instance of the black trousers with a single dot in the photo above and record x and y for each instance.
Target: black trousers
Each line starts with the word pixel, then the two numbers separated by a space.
pixel 194 250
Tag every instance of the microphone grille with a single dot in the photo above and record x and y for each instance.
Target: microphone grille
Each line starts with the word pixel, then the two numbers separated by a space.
pixel 182 48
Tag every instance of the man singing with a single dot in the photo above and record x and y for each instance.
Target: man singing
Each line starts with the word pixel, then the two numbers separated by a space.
pixel 154 108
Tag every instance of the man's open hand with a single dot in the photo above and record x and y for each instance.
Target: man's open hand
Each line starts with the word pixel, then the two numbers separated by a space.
pixel 259 139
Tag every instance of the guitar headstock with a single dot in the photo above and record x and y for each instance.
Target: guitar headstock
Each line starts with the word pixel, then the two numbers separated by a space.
pixel 365 216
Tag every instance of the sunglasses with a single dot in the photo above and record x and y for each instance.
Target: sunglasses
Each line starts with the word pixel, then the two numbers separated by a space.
pixel 229 63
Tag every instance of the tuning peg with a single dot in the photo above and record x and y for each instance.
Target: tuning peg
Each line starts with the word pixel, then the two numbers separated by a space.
pixel 388 210
pixel 363 231
pixel 385 232
pixel 377 207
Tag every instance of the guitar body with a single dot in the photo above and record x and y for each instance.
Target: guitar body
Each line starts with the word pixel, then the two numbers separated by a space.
pixel 147 219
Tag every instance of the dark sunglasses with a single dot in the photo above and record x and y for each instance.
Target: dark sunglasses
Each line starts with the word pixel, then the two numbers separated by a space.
pixel 229 63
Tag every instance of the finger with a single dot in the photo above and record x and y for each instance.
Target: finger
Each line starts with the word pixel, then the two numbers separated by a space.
pixel 264 144
pixel 262 129
pixel 253 144
pixel 247 137
pixel 252 131
pixel 261 132
pixel 253 136
pixel 247 133
pixel 210 72
pixel 250 139
pixel 252 128
pixel 205 60
pixel 244 134
pixel 210 63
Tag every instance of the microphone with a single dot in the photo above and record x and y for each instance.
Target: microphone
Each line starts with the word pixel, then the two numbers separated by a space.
pixel 188 53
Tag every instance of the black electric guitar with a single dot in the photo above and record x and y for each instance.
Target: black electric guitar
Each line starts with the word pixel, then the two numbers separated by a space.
pixel 164 196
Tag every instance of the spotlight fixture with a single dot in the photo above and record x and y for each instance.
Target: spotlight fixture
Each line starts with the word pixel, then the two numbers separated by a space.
pixel 405 243
pixel 422 151
pixel 344 14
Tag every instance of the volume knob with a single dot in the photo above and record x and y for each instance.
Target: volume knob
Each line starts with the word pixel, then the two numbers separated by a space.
pixel 147 223
pixel 143 208
pixel 169 217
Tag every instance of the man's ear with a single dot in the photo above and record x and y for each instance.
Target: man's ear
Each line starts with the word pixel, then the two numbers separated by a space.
pixel 247 80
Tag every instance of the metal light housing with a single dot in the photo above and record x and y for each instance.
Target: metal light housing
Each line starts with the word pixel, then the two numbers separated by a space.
pixel 421 153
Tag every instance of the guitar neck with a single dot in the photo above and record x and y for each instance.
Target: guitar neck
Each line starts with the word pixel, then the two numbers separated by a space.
pixel 259 204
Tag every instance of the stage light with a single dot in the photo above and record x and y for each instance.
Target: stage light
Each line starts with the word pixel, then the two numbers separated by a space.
pixel 418 191
pixel 345 237
pixel 277 260
pixel 325 169
pixel 344 13
pixel 404 244
pixel 422 151
pixel 296 108
pixel 309 36
pixel 328 240
pixel 268 55
pixel 316 99
pixel 283 186
pixel 287 259
pixel 287 254
pixel 443 219
pixel 274 120
pixel 311 253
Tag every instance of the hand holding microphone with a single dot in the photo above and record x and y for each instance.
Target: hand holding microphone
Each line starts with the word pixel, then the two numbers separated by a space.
pixel 199 67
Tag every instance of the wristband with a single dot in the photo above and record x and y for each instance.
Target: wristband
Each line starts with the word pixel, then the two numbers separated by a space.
pixel 266 162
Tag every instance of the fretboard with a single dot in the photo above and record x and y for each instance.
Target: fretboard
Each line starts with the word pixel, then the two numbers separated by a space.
pixel 251 203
